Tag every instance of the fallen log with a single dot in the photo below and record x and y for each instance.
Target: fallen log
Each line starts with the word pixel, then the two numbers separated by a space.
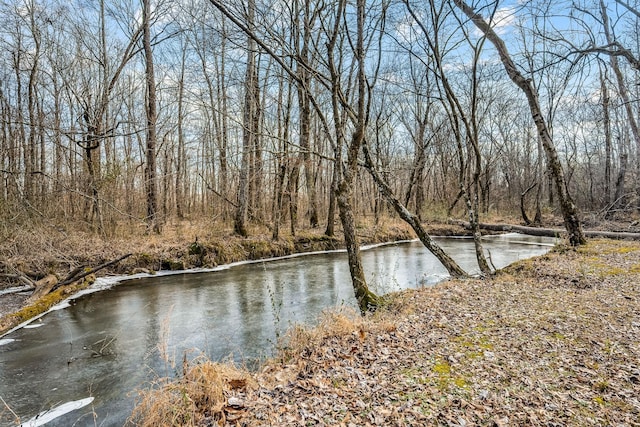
pixel 50 282
pixel 43 287
pixel 16 289
pixel 553 232
pixel 80 273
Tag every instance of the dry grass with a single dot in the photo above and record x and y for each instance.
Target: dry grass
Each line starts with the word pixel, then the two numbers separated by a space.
pixel 548 341
pixel 200 397
pixel 332 324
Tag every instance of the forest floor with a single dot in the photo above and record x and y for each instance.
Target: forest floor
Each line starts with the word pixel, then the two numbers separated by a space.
pixel 550 341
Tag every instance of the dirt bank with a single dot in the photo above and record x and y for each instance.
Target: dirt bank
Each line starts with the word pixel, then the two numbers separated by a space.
pixel 36 255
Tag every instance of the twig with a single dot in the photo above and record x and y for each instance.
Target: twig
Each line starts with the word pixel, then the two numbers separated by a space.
pixel 73 273
pixel 10 410
pixel 217 193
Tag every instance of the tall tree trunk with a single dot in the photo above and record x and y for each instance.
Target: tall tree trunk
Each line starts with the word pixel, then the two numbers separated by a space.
pixel 42 151
pixel 5 174
pixel 57 138
pixel 284 118
pixel 224 125
pixel 473 202
pixel 30 152
pixel 256 208
pixel 304 104
pixel 31 149
pixel 606 124
pixel 180 150
pixel 244 198
pixel 153 221
pixel 367 300
pixel 568 208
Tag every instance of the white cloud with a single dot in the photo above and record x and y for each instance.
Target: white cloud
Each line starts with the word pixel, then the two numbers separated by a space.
pixel 503 19
pixel 502 22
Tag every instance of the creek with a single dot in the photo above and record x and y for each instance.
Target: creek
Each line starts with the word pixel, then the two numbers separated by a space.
pixel 97 350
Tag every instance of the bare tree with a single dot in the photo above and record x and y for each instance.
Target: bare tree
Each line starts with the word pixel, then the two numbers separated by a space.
pixel 606 124
pixel 303 67
pixel 464 125
pixel 567 206
pixel 622 87
pixel 180 149
pixel 30 150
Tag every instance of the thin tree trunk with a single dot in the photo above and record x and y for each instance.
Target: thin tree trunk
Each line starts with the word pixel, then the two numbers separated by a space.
pixel 292 191
pixel 523 209
pixel 276 211
pixel 473 203
pixel 255 172
pixel 19 134
pixel 335 179
pixel 42 164
pixel 416 177
pixel 57 139
pixel 540 173
pixel 5 153
pixel 606 124
pixel 452 267
pixel 304 104
pixel 180 154
pixel 30 152
pixel 284 118
pixel 367 300
pixel 222 99
pixel 153 221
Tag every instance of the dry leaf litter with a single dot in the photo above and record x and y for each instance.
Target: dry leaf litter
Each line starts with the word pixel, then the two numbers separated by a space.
pixel 552 341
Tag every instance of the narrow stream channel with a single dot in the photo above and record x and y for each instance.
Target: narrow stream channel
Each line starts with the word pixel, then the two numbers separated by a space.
pixel 110 343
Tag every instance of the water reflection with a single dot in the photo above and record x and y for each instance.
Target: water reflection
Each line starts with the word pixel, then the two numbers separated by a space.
pixel 236 313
